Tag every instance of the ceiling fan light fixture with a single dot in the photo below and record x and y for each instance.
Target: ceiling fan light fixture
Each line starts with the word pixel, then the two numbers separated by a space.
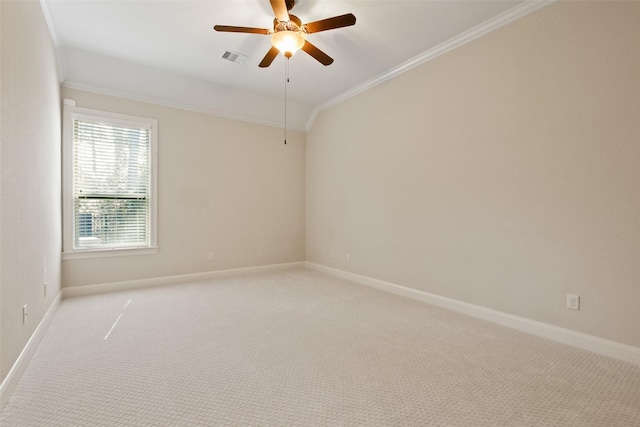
pixel 288 42
pixel 289 34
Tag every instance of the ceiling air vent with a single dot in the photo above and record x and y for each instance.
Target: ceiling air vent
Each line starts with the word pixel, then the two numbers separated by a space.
pixel 238 58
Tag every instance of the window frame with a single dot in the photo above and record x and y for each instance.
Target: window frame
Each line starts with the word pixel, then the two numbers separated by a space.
pixel 70 113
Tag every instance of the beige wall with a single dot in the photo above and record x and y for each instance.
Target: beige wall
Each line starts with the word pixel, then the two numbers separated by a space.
pixel 224 186
pixel 505 173
pixel 30 182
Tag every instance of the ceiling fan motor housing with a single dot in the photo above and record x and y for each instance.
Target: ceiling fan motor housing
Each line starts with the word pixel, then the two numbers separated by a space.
pixel 293 24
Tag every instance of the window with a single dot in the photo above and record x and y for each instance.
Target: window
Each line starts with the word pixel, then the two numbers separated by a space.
pixel 109 184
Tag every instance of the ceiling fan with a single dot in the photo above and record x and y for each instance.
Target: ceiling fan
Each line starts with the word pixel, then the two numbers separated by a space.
pixel 289 34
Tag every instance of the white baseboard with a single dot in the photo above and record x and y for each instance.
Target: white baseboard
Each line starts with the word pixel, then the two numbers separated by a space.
pixel 598 345
pixel 11 380
pixel 101 288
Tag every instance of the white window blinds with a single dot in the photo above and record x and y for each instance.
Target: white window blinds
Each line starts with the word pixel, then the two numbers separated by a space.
pixel 111 184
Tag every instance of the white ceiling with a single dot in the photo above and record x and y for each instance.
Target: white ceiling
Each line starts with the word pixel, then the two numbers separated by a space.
pixel 167 51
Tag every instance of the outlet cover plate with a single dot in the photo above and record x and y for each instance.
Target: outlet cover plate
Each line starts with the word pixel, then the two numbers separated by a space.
pixel 573 302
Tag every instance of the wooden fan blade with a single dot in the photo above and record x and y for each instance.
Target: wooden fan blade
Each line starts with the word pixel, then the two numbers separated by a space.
pixel 280 9
pixel 331 23
pixel 233 29
pixel 319 55
pixel 269 57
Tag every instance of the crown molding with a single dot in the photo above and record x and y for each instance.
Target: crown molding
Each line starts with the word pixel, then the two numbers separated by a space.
pixel 48 12
pixel 56 38
pixel 507 17
pixel 182 106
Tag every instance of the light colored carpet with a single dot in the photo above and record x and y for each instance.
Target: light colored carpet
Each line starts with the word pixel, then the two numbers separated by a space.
pixel 302 348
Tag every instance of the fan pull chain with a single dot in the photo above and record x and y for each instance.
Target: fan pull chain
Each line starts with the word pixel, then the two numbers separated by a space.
pixel 286 80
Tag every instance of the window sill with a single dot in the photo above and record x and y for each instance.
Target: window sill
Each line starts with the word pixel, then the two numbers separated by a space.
pixel 105 253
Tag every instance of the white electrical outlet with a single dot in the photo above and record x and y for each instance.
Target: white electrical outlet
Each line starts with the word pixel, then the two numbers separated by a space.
pixel 25 313
pixel 211 256
pixel 348 256
pixel 331 254
pixel 573 302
